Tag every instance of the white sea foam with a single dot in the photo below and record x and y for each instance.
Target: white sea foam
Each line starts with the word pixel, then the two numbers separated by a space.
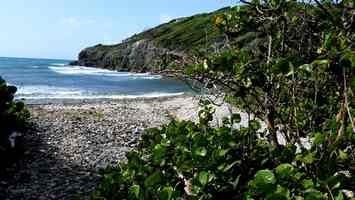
pixel 59 64
pixel 153 95
pixel 150 77
pixel 80 70
pixel 52 92
pixel 24 91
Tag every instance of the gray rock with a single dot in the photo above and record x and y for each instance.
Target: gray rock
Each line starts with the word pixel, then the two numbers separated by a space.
pixel 140 56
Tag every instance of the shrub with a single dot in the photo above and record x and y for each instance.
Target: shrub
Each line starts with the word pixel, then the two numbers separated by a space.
pixel 185 160
pixel 292 66
pixel 13 118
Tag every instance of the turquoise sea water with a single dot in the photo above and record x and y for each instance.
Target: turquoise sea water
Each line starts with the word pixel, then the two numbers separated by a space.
pixel 54 79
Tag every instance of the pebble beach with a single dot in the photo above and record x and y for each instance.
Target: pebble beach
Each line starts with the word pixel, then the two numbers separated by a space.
pixel 72 141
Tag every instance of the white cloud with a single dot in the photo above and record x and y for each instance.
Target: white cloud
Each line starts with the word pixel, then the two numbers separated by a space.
pixel 71 21
pixel 165 18
pixel 74 21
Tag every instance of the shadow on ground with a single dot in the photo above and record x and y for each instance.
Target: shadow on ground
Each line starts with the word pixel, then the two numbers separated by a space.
pixel 40 174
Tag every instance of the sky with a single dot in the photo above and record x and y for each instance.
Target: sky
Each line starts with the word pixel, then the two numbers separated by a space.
pixel 61 28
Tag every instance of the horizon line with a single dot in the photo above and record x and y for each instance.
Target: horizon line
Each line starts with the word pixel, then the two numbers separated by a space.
pixel 37 58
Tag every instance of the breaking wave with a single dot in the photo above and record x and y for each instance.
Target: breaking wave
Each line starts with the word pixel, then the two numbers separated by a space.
pixel 80 70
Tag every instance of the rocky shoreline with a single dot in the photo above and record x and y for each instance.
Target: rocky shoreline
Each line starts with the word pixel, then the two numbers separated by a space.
pixel 72 141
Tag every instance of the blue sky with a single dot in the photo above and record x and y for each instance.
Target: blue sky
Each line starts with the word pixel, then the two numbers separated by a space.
pixel 61 28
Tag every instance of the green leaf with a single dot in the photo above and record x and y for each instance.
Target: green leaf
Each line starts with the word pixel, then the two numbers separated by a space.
pixel 264 180
pixel 236 182
pixel 308 183
pixel 298 198
pixel 306 68
pixel 342 155
pixel 297 176
pixel 228 167
pixel 203 177
pixel 152 179
pixel 158 153
pixel 350 56
pixel 281 66
pixel 167 193
pixel 321 62
pixel 340 196
pixel 353 84
pixel 222 152
pixel 19 106
pixel 254 124
pixel 134 191
pixel 318 139
pixel 309 158
pixel 328 41
pixel 337 185
pixel 313 195
pixel 200 151
pixel 284 170
pixel 296 19
pixel 281 193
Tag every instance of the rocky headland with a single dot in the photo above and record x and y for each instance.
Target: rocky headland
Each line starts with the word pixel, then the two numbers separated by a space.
pixel 168 46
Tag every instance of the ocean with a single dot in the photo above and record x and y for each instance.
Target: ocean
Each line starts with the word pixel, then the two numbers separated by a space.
pixel 48 79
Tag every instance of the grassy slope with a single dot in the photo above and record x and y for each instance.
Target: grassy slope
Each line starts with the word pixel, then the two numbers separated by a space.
pixel 182 34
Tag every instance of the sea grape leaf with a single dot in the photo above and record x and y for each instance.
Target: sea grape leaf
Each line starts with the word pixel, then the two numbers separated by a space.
pixel 203 177
pixel 167 193
pixel 152 179
pixel 264 180
pixel 284 170
pixel 308 183
pixel 342 155
pixel 318 139
pixel 134 190
pixel 200 151
pixel 222 152
pixel 340 196
pixel 281 193
pixel 313 194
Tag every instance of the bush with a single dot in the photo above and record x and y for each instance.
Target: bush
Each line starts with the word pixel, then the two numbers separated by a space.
pixel 13 117
pixel 292 66
pixel 185 160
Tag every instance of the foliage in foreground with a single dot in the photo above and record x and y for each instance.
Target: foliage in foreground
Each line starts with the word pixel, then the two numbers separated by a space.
pixel 184 160
pixel 13 118
pixel 292 66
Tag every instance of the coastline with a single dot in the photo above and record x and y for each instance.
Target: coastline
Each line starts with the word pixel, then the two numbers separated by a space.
pixel 72 141
pixel 44 101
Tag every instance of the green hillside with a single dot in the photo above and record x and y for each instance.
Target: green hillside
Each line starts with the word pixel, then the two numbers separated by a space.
pixel 144 51
pixel 186 33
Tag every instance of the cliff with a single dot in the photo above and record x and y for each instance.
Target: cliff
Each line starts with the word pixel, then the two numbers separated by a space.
pixel 165 46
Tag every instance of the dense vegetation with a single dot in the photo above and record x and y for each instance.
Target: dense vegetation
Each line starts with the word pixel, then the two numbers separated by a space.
pixel 160 48
pixel 13 118
pixel 290 66
pixel 183 34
